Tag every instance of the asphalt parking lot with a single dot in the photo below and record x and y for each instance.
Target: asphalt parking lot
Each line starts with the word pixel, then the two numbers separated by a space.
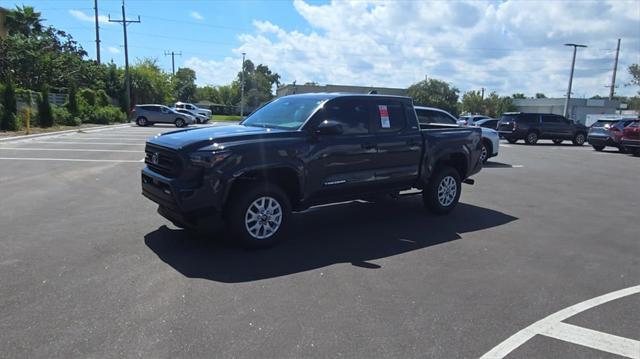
pixel 89 269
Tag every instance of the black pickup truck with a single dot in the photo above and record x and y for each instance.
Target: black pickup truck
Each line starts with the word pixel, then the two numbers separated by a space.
pixel 304 150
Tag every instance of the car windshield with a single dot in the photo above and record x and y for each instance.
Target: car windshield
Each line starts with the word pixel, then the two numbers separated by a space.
pixel 604 123
pixel 507 118
pixel 287 113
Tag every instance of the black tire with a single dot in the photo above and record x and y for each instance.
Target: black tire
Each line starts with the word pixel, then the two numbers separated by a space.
pixel 579 139
pixel 636 152
pixel 179 122
pixel 512 140
pixel 531 138
pixel 557 141
pixel 484 154
pixel 443 203
pixel 242 202
pixel 598 148
pixel 622 149
pixel 142 121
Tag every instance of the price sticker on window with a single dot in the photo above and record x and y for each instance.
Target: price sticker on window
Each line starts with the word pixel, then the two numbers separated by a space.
pixel 384 116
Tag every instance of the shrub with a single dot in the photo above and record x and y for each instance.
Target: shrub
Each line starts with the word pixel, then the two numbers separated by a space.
pixel 45 117
pixel 72 101
pixel 8 121
pixel 102 99
pixel 88 95
pixel 63 117
pixel 107 115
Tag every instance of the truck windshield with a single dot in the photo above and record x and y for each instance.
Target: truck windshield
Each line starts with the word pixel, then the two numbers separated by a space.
pixel 287 113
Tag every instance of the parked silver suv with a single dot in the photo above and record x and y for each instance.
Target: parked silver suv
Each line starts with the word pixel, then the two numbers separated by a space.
pixel 146 115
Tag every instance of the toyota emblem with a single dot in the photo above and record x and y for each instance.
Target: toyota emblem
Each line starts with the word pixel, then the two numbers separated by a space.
pixel 155 158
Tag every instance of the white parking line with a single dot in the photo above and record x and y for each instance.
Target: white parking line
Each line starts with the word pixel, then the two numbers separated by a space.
pixel 540 327
pixel 100 138
pixel 594 339
pixel 67 160
pixel 66 149
pixel 91 143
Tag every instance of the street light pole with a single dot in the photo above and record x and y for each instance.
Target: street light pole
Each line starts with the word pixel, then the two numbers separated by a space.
pixel 573 64
pixel 242 88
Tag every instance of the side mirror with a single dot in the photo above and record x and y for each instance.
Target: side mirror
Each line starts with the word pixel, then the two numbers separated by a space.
pixel 328 127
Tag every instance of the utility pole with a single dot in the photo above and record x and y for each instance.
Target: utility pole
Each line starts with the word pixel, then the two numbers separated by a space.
pixel 573 64
pixel 173 60
pixel 242 88
pixel 613 77
pixel 127 80
pixel 95 8
pixel 482 93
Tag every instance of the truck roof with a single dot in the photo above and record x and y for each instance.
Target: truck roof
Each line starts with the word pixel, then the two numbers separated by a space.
pixel 332 95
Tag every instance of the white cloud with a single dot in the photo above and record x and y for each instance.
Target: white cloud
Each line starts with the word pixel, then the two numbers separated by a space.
pixel 113 50
pixel 196 15
pixel 215 72
pixel 508 46
pixel 80 15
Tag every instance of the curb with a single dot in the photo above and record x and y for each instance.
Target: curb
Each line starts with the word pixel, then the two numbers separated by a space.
pixel 57 133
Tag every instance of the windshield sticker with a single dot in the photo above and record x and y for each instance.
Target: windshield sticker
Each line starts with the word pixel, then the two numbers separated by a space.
pixel 384 116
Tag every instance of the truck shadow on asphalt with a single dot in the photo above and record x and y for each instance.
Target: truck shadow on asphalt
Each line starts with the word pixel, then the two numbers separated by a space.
pixel 353 233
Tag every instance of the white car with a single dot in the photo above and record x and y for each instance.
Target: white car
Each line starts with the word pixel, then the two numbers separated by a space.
pixel 490 138
pixel 470 120
pixel 198 117
pixel 193 108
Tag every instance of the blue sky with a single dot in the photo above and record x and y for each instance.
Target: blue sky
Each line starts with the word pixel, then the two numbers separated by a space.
pixel 505 46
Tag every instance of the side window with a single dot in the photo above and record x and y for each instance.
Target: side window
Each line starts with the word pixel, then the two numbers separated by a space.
pixel 389 116
pixel 445 118
pixel 352 114
pixel 180 106
pixel 551 119
pixel 152 108
pixel 189 107
pixel 530 118
pixel 424 116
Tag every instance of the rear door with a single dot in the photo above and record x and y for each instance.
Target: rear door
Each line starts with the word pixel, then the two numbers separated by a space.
pixel 399 142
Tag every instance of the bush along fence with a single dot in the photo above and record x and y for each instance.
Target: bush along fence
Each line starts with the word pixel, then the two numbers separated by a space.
pixel 46 109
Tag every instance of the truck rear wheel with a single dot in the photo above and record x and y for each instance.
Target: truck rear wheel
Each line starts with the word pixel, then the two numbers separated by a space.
pixel 442 193
pixel 259 215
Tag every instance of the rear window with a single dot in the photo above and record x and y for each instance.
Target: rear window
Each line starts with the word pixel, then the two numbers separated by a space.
pixel 604 123
pixel 508 118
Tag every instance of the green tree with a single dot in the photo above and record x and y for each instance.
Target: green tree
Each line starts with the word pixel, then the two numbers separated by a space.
pixel 9 118
pixel 72 101
pixel 540 95
pixel 435 93
pixel 184 84
pixel 23 20
pixel 258 84
pixel 149 84
pixel 472 102
pixel 208 93
pixel 496 105
pixel 45 115
pixel 518 95
pixel 634 71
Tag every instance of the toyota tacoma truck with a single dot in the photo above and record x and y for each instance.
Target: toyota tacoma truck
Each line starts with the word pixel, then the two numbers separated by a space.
pixel 305 150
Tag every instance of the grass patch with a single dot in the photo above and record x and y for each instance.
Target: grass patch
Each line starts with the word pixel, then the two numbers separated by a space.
pixel 226 118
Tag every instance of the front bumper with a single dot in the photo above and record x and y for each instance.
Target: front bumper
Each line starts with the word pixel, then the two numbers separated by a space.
pixel 179 196
pixel 601 141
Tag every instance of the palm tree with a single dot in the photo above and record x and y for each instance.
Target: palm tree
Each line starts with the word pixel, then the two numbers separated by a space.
pixel 24 20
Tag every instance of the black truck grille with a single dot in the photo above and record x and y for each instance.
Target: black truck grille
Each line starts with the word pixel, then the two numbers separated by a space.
pixel 163 160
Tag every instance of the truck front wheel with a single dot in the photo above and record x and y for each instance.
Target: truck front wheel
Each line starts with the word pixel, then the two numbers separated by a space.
pixel 442 193
pixel 259 215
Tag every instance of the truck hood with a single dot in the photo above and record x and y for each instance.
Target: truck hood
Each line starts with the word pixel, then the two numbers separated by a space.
pixel 200 137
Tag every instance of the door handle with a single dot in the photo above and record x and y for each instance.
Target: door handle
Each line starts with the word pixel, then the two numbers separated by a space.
pixel 369 146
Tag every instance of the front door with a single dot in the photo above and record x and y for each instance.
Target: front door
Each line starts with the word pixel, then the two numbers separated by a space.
pixel 343 164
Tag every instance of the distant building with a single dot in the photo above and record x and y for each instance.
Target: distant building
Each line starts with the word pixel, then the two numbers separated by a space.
pixel 293 89
pixel 3 22
pixel 578 108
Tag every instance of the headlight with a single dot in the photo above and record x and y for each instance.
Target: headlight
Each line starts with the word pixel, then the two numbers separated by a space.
pixel 208 159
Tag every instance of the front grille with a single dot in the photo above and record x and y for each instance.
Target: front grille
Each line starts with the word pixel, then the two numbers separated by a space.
pixel 163 160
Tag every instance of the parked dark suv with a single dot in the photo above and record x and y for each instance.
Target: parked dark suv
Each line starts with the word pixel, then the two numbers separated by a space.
pixel 532 127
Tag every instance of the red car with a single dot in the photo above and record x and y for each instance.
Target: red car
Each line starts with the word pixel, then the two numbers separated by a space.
pixel 631 138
